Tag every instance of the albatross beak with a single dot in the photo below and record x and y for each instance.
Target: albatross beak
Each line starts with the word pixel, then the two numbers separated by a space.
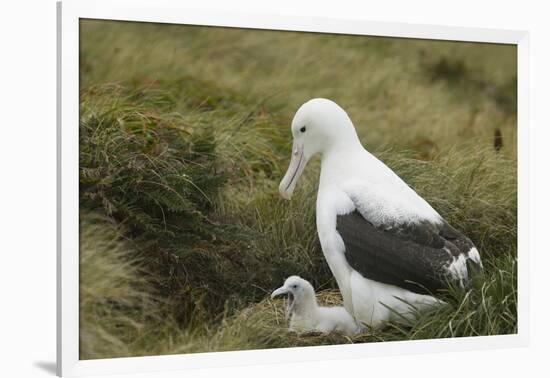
pixel 295 169
pixel 290 301
pixel 280 291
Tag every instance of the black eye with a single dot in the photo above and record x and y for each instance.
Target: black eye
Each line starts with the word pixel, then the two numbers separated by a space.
pixel 294 286
pixel 303 129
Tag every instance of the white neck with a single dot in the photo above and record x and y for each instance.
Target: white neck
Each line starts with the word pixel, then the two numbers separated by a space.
pixel 307 306
pixel 339 161
pixel 346 141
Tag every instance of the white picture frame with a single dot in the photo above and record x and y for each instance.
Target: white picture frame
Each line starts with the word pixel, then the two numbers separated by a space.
pixel 69 13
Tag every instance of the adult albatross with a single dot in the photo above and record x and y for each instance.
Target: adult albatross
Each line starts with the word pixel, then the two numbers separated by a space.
pixel 388 249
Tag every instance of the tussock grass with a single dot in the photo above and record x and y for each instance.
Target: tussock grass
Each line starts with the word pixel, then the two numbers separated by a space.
pixel 184 139
pixel 115 304
pixel 143 166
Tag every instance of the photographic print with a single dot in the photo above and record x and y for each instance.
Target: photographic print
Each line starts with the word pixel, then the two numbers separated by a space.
pixel 249 189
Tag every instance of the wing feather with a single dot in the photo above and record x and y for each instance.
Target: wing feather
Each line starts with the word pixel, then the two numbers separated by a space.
pixel 422 257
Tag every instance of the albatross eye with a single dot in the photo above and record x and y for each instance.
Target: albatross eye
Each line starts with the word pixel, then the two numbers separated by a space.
pixel 294 286
pixel 303 129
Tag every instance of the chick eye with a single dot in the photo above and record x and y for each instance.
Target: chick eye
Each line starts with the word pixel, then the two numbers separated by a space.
pixel 294 286
pixel 303 129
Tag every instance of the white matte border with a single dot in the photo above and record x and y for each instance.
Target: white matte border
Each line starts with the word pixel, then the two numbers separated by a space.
pixel 169 11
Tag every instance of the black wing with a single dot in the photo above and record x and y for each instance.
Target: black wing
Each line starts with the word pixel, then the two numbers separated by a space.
pixel 414 256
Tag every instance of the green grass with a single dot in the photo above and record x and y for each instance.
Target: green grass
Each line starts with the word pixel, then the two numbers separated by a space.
pixel 184 137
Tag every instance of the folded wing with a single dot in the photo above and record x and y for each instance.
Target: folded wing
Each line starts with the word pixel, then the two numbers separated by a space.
pixel 419 256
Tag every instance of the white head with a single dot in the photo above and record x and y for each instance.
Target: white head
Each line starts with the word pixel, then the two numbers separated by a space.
pixel 319 126
pixel 301 295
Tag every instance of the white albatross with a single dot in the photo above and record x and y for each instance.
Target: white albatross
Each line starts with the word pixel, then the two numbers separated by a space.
pixel 388 249
pixel 306 315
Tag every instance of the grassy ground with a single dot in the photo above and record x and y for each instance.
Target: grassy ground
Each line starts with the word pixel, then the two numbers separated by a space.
pixel 184 137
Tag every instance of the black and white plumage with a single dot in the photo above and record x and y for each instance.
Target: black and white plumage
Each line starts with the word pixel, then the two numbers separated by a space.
pixel 420 257
pixel 386 246
pixel 307 316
